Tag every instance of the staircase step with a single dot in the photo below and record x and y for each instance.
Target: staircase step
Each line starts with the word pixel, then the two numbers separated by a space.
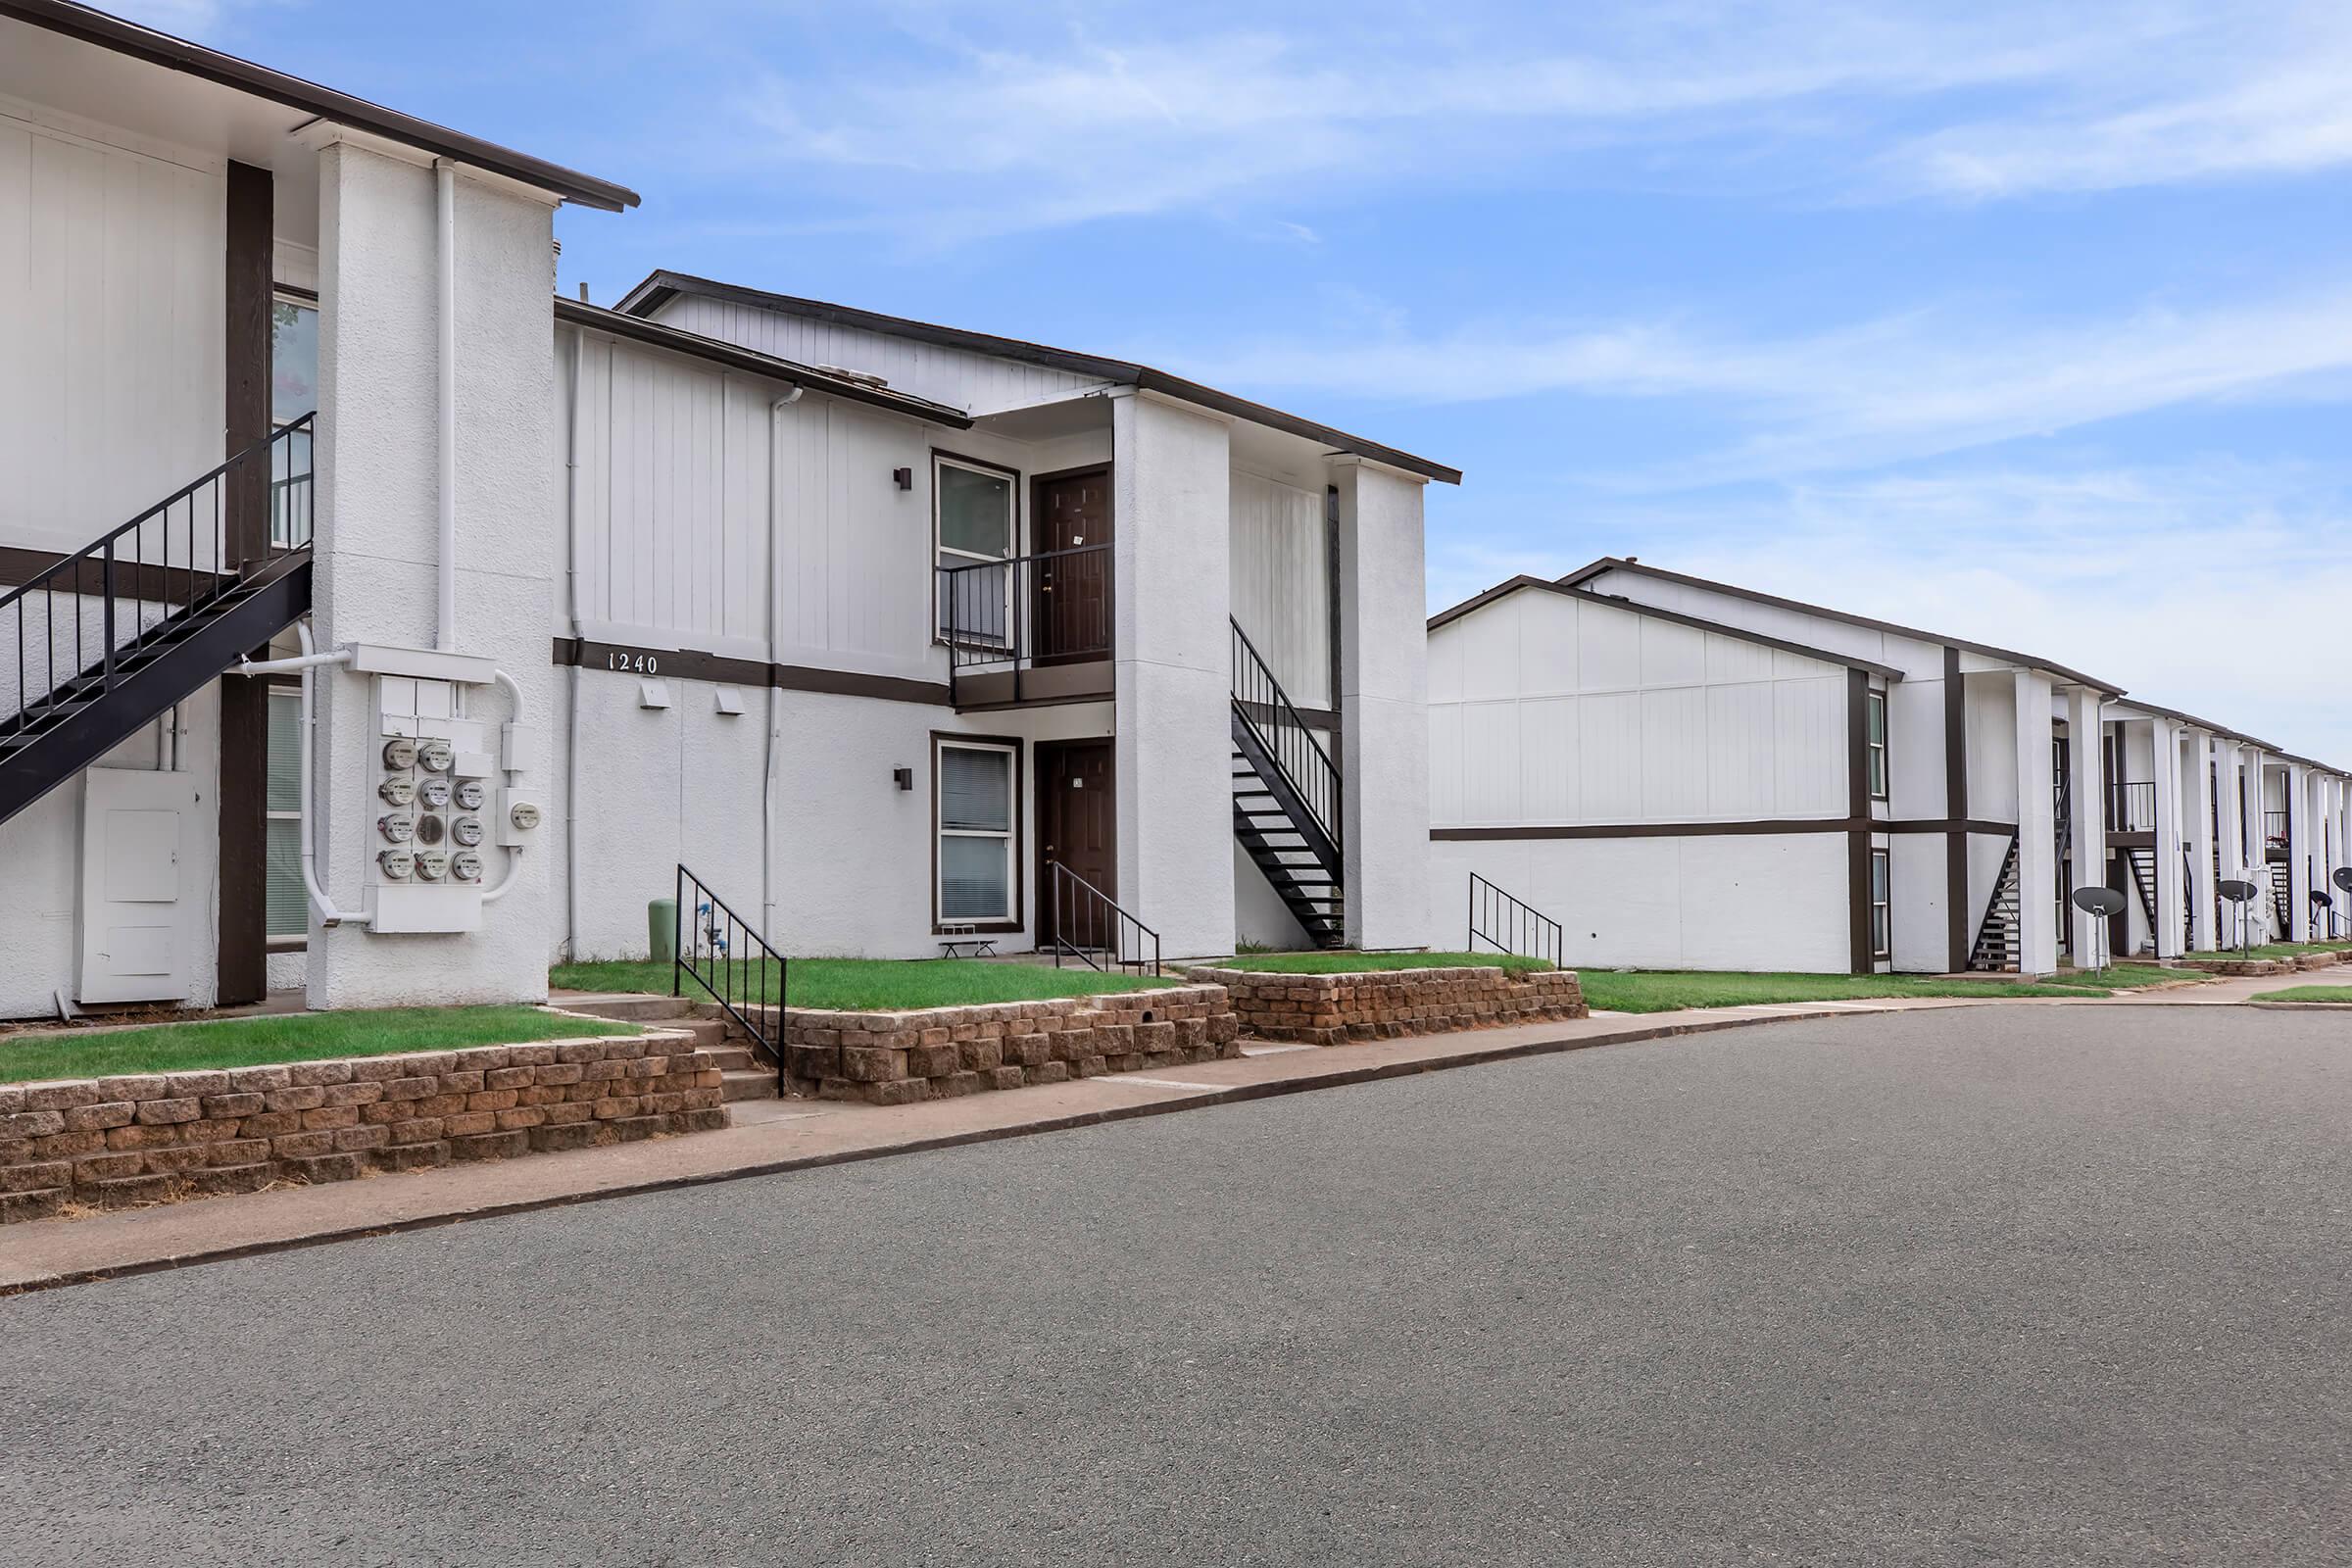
pixel 748 1084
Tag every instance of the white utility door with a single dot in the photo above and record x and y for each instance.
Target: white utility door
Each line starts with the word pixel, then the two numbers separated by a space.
pixel 135 915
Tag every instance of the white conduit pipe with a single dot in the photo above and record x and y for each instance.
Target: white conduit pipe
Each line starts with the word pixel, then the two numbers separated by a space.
pixel 513 851
pixel 308 664
pixel 445 627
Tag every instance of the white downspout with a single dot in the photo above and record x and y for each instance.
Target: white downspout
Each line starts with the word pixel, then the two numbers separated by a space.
pixel 308 664
pixel 445 627
pixel 768 778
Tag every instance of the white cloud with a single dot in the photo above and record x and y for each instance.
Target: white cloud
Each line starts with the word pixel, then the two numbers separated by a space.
pixel 2214 588
pixel 1878 391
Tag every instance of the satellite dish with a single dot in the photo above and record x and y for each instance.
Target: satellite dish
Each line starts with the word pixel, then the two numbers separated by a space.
pixel 2098 901
pixel 2237 892
pixel 2320 897
pixel 2344 877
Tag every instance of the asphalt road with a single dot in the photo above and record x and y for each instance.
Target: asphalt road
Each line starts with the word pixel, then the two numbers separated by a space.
pixel 2020 1285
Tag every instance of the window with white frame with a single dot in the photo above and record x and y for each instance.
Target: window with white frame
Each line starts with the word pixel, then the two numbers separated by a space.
pixel 1881 912
pixel 975 522
pixel 973 801
pixel 1878 745
pixel 286 914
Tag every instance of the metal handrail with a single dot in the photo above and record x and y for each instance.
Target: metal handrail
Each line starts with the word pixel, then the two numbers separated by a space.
pixel 1508 916
pixel 2131 806
pixel 727 957
pixel 1260 702
pixel 1072 897
pixel 989 613
pixel 129 570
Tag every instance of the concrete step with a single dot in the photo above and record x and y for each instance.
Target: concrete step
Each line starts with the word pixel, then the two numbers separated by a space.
pixel 630 1008
pixel 731 1058
pixel 749 1083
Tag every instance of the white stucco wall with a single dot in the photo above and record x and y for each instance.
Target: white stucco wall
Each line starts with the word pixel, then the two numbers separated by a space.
pixel 1702 901
pixel 376 536
pixel 1171 584
pixel 1384 695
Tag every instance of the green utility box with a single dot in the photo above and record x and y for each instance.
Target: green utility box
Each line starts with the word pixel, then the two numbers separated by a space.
pixel 662 930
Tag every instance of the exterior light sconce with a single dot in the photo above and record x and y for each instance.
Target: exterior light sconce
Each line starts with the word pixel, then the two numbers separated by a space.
pixel 903 478
pixel 902 777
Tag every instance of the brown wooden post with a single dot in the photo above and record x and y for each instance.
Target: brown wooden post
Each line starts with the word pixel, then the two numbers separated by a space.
pixel 242 968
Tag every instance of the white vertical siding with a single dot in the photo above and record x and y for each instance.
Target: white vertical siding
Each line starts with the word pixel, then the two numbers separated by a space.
pixel 112 276
pixel 977 383
pixel 1546 710
pixel 1281 561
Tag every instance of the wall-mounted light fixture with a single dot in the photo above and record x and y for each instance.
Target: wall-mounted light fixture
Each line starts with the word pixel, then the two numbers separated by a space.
pixel 903 478
pixel 902 777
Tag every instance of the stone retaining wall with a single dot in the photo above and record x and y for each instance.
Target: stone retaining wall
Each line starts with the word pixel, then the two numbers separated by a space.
pixel 2222 963
pixel 107 1142
pixel 1329 1010
pixel 896 1058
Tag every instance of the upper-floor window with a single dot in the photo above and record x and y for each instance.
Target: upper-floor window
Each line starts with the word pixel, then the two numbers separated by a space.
pixel 1878 745
pixel 293 393
pixel 975 523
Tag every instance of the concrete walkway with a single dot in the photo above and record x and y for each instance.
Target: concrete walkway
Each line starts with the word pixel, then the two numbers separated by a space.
pixel 774 1136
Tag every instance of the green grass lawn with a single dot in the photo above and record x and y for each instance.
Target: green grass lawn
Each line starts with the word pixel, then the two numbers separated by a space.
pixel 300 1037
pixel 2285 949
pixel 2308 994
pixel 1663 991
pixel 1359 962
pixel 868 985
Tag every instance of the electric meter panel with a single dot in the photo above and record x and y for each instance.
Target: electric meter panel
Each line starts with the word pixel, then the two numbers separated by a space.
pixel 433 769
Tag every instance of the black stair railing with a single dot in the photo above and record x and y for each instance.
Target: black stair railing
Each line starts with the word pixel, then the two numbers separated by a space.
pixel 73 623
pixel 1998 939
pixel 726 956
pixel 2131 807
pixel 1089 925
pixel 1013 614
pixel 1266 712
pixel 2274 833
pixel 1507 925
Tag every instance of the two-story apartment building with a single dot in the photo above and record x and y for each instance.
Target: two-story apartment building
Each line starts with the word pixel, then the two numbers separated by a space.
pixel 993 628
pixel 1675 772
pixel 374 621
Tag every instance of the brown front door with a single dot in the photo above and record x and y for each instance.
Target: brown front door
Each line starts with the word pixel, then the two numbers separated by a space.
pixel 1077 825
pixel 1070 520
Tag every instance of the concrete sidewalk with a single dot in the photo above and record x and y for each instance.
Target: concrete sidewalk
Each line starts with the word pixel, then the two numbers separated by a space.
pixel 769 1137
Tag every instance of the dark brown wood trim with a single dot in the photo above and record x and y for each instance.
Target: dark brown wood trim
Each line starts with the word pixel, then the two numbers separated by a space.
pixel 1857 838
pixel 1020 815
pixel 1750 828
pixel 308 296
pixel 1956 898
pixel 241 970
pixel 686 663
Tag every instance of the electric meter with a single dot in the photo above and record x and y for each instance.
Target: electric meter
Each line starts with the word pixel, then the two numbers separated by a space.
pixel 434 792
pixel 524 814
pixel 466 830
pixel 399 829
pixel 431 865
pixel 400 754
pixel 435 756
pixel 397 790
pixel 398 865
pixel 466 866
pixel 428 830
pixel 470 794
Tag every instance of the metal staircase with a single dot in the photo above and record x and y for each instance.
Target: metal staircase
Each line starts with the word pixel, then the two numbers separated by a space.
pixel 2000 946
pixel 1286 799
pixel 2143 860
pixel 2276 872
pixel 142 617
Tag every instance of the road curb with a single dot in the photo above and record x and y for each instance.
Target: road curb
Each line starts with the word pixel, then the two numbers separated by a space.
pixel 1375 1073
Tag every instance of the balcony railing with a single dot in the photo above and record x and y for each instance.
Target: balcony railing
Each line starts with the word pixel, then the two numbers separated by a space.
pixel 2131 808
pixel 2274 832
pixel 1003 620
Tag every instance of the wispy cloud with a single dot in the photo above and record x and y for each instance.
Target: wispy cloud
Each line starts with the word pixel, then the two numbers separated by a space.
pixel 1904 387
pixel 2215 587
pixel 1005 123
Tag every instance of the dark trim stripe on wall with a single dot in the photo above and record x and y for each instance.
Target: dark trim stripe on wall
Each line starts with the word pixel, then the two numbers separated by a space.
pixel 686 663
pixel 1956 900
pixel 1753 827
pixel 241 961
pixel 1857 836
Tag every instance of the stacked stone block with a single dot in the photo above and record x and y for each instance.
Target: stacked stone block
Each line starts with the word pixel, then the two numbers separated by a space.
pixel 1331 1010
pixel 107 1142
pixel 896 1059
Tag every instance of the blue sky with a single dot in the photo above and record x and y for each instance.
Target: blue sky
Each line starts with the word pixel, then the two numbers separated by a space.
pixel 2026 321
